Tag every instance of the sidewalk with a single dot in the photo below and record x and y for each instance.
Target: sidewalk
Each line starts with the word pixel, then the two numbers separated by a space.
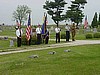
pixel 73 43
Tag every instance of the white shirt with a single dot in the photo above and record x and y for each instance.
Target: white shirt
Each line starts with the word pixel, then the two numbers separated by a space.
pixel 38 30
pixel 57 30
pixel 18 33
pixel 67 28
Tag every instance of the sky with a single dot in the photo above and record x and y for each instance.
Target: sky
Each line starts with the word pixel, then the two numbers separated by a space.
pixel 7 7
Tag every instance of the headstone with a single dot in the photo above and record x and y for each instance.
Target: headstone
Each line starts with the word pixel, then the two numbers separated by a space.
pixel 51 29
pixel 11 43
pixel 68 50
pixel 87 30
pixel 33 56
pixel 0 30
pixel 52 52
pixel 95 30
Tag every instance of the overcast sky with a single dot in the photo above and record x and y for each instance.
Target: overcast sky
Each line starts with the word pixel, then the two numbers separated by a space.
pixel 7 7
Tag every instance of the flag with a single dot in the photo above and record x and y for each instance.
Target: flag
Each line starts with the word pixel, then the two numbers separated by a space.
pixel 44 24
pixel 28 29
pixel 18 24
pixel 85 23
pixel 43 29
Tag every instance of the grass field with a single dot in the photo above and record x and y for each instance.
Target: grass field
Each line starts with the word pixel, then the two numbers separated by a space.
pixel 82 60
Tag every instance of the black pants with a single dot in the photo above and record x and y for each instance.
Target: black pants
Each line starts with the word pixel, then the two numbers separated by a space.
pixel 29 42
pixel 67 35
pixel 57 37
pixel 18 42
pixel 46 40
pixel 38 38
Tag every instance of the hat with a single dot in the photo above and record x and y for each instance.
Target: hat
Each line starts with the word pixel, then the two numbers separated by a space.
pixel 16 27
pixel 38 25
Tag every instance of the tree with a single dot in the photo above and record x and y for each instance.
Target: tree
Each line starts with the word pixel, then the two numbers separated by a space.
pixel 94 22
pixel 55 9
pixel 99 20
pixel 21 13
pixel 75 13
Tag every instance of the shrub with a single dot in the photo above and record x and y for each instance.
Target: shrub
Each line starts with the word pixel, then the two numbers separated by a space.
pixel 96 35
pixel 33 40
pixel 24 40
pixel 63 36
pixel 89 36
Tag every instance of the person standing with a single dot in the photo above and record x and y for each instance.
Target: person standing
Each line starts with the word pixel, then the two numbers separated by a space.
pixel 38 32
pixel 18 34
pixel 73 31
pixel 46 36
pixel 67 27
pixel 57 30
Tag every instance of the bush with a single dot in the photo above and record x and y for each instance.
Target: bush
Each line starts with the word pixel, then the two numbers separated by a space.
pixel 89 36
pixel 96 35
pixel 24 40
pixel 63 36
pixel 33 40
pixel 98 30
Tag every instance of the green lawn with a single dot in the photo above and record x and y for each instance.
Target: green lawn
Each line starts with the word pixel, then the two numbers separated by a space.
pixel 82 60
pixel 5 45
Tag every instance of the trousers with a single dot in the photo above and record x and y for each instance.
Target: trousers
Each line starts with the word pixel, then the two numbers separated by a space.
pixel 18 41
pixel 57 37
pixel 67 35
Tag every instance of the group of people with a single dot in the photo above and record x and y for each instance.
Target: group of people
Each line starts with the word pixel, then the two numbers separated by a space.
pixel 45 37
pixel 69 29
pixel 72 30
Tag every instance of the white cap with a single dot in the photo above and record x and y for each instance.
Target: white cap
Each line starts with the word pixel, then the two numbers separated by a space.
pixel 73 22
pixel 16 27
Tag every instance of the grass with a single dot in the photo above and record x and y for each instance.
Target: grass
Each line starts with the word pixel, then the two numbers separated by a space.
pixel 7 31
pixel 82 60
pixel 5 44
pixel 10 31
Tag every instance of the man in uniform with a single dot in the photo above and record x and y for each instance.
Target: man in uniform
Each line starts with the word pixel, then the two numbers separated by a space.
pixel 73 31
pixel 67 27
pixel 57 30
pixel 38 32
pixel 18 34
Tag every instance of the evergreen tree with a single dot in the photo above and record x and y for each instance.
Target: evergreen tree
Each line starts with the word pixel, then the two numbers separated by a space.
pixel 99 20
pixel 75 13
pixel 95 22
pixel 55 9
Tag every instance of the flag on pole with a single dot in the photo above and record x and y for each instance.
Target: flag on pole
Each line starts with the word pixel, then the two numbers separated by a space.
pixel 85 23
pixel 18 24
pixel 28 29
pixel 44 24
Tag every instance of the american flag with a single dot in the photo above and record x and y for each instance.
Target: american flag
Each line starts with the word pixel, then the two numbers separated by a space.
pixel 18 24
pixel 28 29
pixel 85 23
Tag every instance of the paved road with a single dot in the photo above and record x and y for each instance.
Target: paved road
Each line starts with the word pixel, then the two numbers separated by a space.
pixel 74 43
